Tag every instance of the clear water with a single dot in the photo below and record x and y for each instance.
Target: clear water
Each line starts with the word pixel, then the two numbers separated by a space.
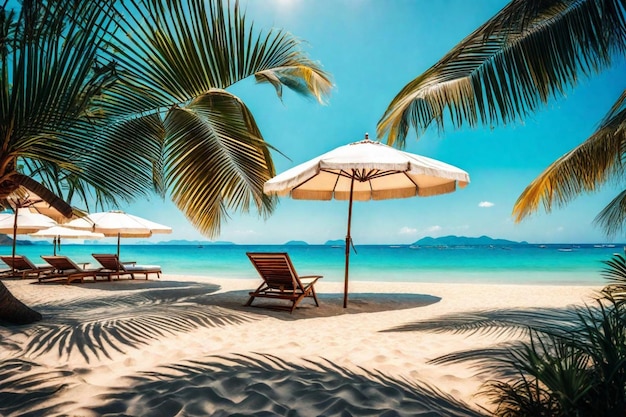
pixel 531 264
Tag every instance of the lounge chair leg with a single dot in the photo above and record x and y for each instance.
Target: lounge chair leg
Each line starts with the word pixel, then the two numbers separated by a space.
pixel 317 303
pixel 249 303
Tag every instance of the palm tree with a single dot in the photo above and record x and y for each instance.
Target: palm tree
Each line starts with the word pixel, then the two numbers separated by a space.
pixel 527 53
pixel 109 101
pixel 46 87
pixel 192 138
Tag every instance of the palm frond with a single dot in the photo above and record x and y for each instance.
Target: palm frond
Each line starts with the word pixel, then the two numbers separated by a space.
pixel 53 81
pixel 615 273
pixel 174 61
pixel 51 73
pixel 584 169
pixel 137 163
pixel 216 160
pixel 71 186
pixel 180 51
pixel 302 79
pixel 530 51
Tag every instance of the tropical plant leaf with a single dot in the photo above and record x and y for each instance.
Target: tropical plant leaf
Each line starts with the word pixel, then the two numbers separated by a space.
pixel 596 161
pixel 181 51
pixel 575 365
pixel 217 160
pixel 174 62
pixel 615 273
pixel 51 75
pixel 530 51
pixel 87 88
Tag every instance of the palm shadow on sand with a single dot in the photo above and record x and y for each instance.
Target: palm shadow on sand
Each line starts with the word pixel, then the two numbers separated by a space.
pixel 511 326
pixel 227 385
pixel 499 321
pixel 144 311
pixel 260 385
pixel 95 327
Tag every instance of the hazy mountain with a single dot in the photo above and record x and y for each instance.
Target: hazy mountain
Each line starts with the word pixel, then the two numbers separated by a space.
pixel 296 243
pixel 5 240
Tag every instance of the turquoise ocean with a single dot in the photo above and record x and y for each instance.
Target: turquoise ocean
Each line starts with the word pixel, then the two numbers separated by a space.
pixel 516 264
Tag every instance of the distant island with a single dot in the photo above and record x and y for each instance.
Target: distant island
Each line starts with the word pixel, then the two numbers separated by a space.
pixel 296 243
pixel 463 240
pixel 335 242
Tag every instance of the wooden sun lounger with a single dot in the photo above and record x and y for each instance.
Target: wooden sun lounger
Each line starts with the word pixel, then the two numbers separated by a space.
pixel 280 279
pixel 66 271
pixel 24 267
pixel 112 267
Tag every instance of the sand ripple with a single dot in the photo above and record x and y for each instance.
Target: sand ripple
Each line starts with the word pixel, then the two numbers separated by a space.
pixel 227 386
pixel 190 348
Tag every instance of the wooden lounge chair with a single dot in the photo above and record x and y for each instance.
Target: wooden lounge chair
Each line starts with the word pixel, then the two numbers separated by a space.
pixel 65 270
pixel 112 267
pixel 280 280
pixel 22 266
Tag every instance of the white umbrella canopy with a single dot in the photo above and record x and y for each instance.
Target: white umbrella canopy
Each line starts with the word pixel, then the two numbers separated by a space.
pixel 118 223
pixel 362 171
pixel 58 232
pixel 22 222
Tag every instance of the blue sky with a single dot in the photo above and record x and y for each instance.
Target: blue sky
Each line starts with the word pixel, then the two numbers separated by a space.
pixel 373 48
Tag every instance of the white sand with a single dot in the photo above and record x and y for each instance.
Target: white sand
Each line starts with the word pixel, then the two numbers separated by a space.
pixel 186 346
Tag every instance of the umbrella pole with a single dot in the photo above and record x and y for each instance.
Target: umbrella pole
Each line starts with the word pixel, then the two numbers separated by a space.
pixel 348 243
pixel 118 245
pixel 14 242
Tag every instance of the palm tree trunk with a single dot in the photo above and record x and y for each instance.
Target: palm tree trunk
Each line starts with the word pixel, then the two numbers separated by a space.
pixel 13 310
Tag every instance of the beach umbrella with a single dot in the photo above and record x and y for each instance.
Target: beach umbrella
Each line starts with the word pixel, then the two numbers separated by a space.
pixel 118 224
pixel 23 221
pixel 58 232
pixel 366 170
pixel 32 196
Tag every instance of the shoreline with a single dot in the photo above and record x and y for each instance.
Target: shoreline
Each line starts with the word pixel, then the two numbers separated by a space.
pixel 190 345
pixel 378 263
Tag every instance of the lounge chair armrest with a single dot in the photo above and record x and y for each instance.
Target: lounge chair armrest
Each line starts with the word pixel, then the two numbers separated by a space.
pixel 309 279
pixel 128 262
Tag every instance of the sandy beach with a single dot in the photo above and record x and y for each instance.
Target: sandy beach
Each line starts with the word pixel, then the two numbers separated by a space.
pixel 186 346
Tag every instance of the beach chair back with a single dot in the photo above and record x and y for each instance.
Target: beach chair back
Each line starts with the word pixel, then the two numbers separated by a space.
pixel 276 270
pixel 61 263
pixel 18 263
pixel 108 261
pixel 280 280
